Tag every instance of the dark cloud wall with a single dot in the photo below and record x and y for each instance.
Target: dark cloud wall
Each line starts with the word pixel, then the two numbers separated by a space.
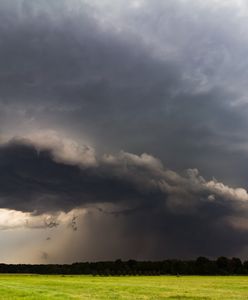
pixel 169 214
pixel 162 77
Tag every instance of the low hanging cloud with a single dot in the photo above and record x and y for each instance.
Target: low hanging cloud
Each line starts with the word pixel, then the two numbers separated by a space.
pixel 13 219
pixel 45 172
pixel 149 202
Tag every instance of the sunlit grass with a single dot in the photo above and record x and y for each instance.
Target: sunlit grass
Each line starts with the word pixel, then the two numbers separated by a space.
pixel 127 287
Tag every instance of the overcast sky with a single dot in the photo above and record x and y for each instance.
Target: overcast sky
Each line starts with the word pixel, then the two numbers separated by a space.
pixel 123 129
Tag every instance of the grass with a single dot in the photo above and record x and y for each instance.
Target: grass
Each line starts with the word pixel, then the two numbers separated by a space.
pixel 51 287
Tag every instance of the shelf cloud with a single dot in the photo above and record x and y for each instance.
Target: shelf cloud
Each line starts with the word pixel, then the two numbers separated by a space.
pixel 125 120
pixel 149 198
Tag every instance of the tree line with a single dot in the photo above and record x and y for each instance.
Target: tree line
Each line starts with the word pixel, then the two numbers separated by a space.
pixel 200 266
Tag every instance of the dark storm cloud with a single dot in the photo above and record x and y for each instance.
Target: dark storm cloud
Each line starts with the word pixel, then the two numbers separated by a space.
pixel 166 77
pixel 184 215
pixel 161 77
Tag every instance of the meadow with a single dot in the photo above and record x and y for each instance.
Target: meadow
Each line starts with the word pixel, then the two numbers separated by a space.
pixel 127 287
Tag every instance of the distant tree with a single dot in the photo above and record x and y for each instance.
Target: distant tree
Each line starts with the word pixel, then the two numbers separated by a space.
pixel 223 265
pixel 235 266
pixel 245 267
pixel 203 266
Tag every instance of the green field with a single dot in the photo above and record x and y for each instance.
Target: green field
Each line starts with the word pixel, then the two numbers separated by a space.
pixel 128 287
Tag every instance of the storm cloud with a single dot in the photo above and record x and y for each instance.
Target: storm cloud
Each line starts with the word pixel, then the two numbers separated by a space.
pixel 58 167
pixel 128 118
pixel 153 203
pixel 167 78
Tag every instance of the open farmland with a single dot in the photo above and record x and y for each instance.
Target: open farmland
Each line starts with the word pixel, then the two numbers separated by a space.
pixel 128 287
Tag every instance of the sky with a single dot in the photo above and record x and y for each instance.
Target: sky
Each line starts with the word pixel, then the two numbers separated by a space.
pixel 123 130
